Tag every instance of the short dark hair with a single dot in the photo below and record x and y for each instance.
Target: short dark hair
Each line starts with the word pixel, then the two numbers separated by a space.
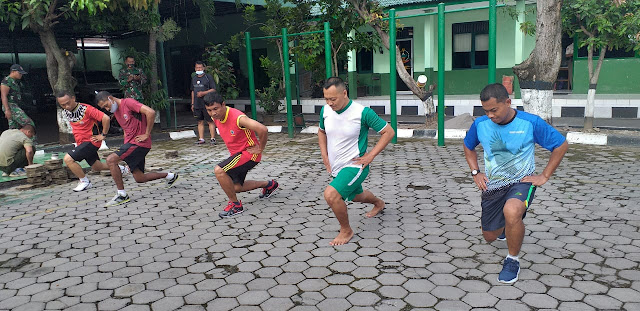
pixel 334 81
pixel 212 98
pixel 495 90
pixel 64 93
pixel 29 127
pixel 102 96
pixel 201 63
pixel 129 56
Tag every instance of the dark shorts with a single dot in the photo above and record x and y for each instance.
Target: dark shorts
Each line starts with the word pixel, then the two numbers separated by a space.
pixel 201 114
pixel 85 151
pixel 238 165
pixel 134 156
pixel 493 202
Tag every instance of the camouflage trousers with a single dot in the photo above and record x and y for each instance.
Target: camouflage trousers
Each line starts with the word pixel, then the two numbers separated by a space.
pixel 18 117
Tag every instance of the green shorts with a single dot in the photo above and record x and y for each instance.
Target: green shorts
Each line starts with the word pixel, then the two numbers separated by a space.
pixel 349 182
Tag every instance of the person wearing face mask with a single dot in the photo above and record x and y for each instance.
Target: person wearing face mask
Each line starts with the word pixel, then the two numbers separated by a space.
pixel 83 118
pixel 136 121
pixel 132 79
pixel 202 84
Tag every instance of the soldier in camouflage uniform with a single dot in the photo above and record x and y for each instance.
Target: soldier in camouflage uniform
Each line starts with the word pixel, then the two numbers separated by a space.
pixel 12 96
pixel 132 79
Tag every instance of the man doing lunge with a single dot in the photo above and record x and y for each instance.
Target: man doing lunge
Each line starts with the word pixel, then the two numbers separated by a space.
pixel 343 137
pixel 83 118
pixel 508 184
pixel 239 134
pixel 136 121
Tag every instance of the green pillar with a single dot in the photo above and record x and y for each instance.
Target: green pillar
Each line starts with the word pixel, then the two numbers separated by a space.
pixel 327 50
pixel 287 82
pixel 492 41
pixel 392 74
pixel 252 84
pixel 441 43
pixel 163 73
pixel 352 71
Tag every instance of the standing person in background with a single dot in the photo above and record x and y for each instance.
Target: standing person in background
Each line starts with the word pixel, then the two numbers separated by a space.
pixel 132 79
pixel 202 84
pixel 12 97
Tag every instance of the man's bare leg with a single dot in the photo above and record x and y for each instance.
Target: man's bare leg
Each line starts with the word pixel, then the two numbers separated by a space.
pixel 367 197
pixel 201 129
pixel 74 166
pixel 212 130
pixel 226 183
pixel 250 185
pixel 339 208
pixel 514 226
pixel 112 161
pixel 99 166
pixel 141 177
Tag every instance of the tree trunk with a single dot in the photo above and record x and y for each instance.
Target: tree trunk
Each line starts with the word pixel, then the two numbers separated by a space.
pixel 364 13
pixel 538 73
pixel 593 82
pixel 59 71
pixel 430 116
pixel 153 87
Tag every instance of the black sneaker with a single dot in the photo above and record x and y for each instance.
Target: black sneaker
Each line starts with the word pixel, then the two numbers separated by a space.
pixel 171 182
pixel 269 189
pixel 233 209
pixel 213 141
pixel 200 142
pixel 117 200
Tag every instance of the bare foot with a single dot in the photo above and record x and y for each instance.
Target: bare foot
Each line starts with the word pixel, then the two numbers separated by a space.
pixel 377 208
pixel 343 237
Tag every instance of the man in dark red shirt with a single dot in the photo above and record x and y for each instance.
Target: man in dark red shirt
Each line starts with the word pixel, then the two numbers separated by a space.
pixel 136 121
pixel 82 119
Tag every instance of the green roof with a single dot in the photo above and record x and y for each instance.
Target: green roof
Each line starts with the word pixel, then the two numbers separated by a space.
pixel 391 3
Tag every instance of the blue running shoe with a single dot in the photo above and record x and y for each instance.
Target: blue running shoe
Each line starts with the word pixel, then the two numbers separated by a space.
pixel 502 237
pixel 510 271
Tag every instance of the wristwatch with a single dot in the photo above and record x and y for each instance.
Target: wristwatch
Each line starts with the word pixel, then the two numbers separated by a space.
pixel 474 172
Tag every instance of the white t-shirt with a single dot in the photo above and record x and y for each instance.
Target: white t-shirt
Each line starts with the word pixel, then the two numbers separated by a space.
pixel 347 131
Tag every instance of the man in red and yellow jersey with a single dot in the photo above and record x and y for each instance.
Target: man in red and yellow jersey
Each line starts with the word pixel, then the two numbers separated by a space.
pixel 239 134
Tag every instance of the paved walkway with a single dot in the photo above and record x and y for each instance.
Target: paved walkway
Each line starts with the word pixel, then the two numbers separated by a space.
pixel 169 250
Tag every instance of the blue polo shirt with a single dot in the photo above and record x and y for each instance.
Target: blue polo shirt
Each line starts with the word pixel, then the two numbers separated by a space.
pixel 509 148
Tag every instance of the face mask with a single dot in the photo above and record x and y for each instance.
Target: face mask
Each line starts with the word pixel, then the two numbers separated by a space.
pixel 199 72
pixel 114 106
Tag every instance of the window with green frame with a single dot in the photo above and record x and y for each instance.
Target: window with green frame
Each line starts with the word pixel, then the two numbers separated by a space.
pixel 470 46
pixel 364 61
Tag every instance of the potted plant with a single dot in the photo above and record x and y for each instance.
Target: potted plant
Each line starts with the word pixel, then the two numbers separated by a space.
pixel 269 99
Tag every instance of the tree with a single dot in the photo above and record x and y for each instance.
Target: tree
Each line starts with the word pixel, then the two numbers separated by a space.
pixel 538 73
pixel 372 14
pixel 601 25
pixel 41 17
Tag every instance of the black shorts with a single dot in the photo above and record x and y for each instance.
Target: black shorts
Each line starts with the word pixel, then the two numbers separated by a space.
pixel 238 165
pixel 201 114
pixel 85 151
pixel 134 156
pixel 493 202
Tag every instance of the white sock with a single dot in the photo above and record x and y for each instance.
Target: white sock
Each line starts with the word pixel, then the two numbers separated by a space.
pixel 513 257
pixel 170 176
pixel 122 193
pixel 84 179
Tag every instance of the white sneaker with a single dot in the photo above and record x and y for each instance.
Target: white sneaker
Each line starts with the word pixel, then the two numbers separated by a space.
pixel 82 186
pixel 124 169
pixel 5 174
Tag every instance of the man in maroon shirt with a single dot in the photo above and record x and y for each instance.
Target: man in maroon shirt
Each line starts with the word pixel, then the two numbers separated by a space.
pixel 136 121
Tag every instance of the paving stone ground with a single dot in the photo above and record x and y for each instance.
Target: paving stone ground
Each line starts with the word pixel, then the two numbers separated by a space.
pixel 169 250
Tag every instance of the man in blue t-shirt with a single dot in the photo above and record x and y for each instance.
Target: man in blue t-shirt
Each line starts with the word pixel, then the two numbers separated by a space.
pixel 508 184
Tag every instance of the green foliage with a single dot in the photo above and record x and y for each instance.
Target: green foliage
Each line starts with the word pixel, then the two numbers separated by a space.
pixel 168 30
pixel 527 27
pixel 603 23
pixel 221 68
pixel 158 99
pixel 269 98
pixel 92 6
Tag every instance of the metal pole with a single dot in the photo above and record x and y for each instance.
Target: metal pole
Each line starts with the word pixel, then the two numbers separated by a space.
pixel 287 83
pixel 392 74
pixel 492 41
pixel 163 72
pixel 441 39
pixel 84 56
pixel 252 85
pixel 327 50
